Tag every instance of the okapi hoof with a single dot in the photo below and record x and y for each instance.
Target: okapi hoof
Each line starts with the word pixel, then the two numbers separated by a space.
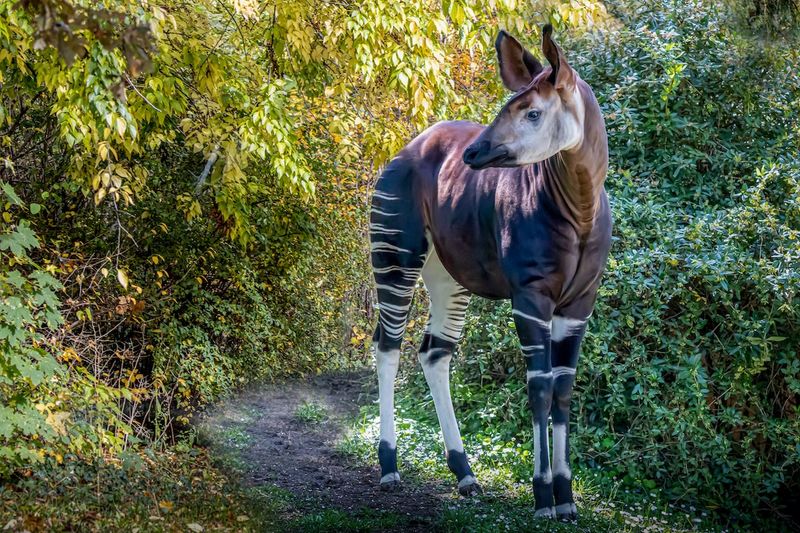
pixel 469 487
pixel 547 513
pixel 391 482
pixel 567 512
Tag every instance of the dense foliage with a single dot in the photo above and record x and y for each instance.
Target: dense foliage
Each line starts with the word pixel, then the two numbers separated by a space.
pixel 184 195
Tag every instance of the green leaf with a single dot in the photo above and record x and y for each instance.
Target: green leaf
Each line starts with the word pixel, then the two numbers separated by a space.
pixel 12 195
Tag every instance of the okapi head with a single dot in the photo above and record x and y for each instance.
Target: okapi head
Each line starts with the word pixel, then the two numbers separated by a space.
pixel 544 117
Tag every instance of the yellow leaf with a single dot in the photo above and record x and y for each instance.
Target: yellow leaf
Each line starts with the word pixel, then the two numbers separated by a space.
pixel 122 277
pixel 121 127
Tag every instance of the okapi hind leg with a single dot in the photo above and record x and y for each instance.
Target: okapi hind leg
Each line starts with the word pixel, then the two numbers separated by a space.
pixel 398 247
pixel 448 306
pixel 566 337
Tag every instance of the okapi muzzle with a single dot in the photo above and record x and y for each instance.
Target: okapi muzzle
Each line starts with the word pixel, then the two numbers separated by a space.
pixel 482 154
pixel 514 211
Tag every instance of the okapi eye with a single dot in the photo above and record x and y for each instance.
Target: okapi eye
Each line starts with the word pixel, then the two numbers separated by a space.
pixel 534 114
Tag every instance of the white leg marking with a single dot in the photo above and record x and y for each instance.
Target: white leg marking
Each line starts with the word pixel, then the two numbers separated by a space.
pixel 560 464
pixel 446 321
pixel 438 378
pixel 539 374
pixel 544 323
pixel 547 476
pixel 387 363
pixel 392 476
pixel 468 480
pixel 404 292
pixel 564 327
pixel 559 371
pixel 528 349
pixel 566 508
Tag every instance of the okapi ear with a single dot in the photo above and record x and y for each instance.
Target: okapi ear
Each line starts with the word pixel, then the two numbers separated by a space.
pixel 518 67
pixel 562 76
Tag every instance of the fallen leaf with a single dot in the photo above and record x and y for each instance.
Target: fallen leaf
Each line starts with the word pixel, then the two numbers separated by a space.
pixel 122 277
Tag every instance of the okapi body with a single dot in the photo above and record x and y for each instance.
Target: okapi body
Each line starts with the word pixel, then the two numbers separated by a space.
pixel 516 210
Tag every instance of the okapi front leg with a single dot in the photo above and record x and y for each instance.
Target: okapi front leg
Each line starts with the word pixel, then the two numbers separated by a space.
pixel 566 338
pixel 533 328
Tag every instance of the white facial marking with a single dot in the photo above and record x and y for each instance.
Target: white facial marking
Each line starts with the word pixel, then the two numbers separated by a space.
pixel 564 327
pixel 559 127
pixel 560 463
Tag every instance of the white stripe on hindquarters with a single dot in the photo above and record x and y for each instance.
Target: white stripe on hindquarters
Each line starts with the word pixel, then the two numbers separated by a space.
pixel 376 211
pixel 564 327
pixel 377 229
pixel 381 246
pixel 384 196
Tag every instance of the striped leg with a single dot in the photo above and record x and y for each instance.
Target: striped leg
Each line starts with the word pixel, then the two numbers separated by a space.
pixel 532 318
pixel 448 306
pixel 398 251
pixel 566 336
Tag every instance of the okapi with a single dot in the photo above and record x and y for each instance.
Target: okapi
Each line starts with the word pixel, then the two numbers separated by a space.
pixel 513 210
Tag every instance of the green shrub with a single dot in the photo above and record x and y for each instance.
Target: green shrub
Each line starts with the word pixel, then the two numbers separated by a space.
pixel 48 410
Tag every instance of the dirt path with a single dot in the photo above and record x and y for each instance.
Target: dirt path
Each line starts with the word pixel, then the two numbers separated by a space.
pixel 274 445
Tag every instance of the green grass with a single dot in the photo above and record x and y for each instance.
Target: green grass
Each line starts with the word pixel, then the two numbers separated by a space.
pixel 311 413
pixel 332 520
pixel 504 470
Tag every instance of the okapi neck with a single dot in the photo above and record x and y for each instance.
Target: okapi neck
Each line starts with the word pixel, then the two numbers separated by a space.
pixel 574 179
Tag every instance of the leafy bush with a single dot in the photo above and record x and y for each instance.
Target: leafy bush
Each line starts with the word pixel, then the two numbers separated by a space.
pixel 46 411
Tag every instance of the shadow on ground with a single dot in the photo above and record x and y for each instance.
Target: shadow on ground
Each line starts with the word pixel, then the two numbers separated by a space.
pixel 284 437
